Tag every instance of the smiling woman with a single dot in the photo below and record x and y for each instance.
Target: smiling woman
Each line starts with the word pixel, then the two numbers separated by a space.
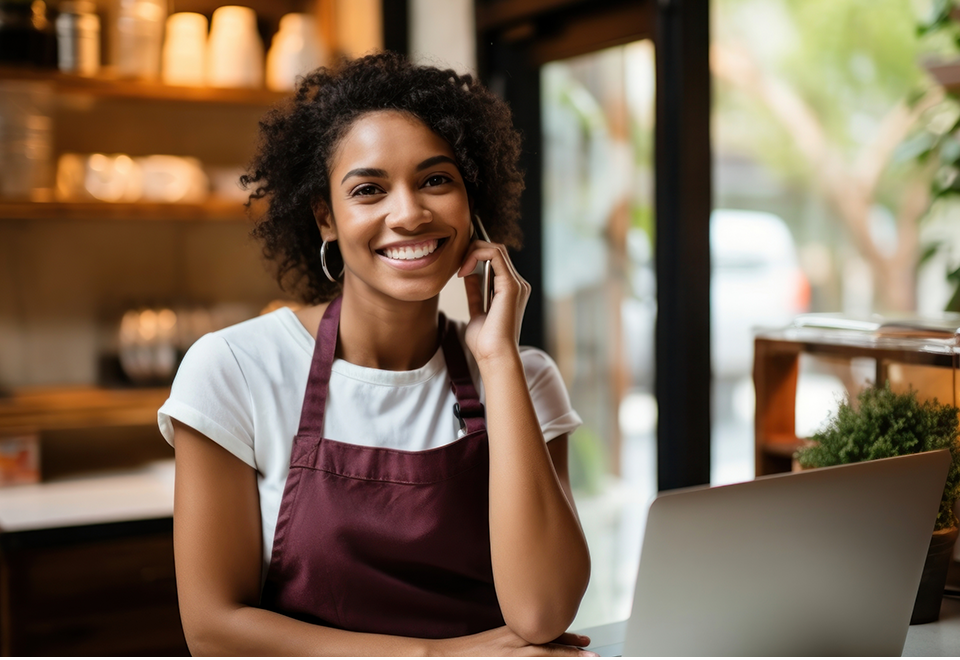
pixel 363 476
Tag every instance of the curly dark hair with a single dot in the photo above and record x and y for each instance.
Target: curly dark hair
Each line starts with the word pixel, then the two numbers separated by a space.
pixel 298 138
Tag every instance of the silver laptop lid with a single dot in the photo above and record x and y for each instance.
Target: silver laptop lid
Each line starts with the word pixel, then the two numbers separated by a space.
pixel 823 562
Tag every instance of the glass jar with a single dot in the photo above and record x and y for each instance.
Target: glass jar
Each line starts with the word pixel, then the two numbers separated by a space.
pixel 26 140
pixel 78 38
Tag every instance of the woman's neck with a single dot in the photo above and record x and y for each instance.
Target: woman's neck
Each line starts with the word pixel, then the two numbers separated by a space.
pixel 387 334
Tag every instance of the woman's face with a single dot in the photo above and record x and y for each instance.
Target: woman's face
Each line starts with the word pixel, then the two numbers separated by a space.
pixel 400 211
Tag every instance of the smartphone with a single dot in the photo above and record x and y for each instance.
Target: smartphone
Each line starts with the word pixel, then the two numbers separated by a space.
pixel 487 276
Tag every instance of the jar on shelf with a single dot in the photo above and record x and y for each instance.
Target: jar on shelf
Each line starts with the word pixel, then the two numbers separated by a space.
pixel 139 36
pixel 26 36
pixel 234 50
pixel 78 38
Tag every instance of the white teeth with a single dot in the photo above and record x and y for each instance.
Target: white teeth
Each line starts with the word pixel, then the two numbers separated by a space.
pixel 407 253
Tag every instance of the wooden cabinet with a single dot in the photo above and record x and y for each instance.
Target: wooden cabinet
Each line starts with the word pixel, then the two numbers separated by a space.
pixel 924 355
pixel 98 590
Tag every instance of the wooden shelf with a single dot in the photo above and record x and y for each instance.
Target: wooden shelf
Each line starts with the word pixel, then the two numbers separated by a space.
pixel 782 445
pixel 111 88
pixel 79 407
pixel 214 210
pixel 776 372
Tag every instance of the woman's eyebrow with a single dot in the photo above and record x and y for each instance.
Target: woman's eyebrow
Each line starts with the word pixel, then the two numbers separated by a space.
pixel 433 160
pixel 382 174
pixel 366 171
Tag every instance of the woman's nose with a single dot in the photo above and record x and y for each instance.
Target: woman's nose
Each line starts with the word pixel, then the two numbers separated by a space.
pixel 407 212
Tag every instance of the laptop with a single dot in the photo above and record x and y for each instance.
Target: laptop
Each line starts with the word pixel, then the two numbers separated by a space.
pixel 821 562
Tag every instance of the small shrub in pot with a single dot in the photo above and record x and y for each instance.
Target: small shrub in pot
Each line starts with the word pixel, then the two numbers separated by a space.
pixel 885 424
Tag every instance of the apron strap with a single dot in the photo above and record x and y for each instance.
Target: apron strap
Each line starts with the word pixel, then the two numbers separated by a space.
pixel 470 411
pixel 318 383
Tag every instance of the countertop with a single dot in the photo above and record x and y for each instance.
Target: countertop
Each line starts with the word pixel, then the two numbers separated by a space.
pixel 110 497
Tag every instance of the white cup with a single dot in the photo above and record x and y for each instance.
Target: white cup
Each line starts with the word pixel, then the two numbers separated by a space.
pixel 113 178
pixel 173 179
pixel 185 49
pixel 296 50
pixel 102 177
pixel 235 50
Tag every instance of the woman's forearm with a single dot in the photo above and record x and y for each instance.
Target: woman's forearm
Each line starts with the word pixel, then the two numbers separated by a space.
pixel 251 631
pixel 541 563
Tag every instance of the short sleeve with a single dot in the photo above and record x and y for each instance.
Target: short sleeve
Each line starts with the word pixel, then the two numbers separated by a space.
pixel 210 394
pixel 549 394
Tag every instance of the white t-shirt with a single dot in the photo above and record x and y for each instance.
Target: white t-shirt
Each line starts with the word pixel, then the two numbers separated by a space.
pixel 243 387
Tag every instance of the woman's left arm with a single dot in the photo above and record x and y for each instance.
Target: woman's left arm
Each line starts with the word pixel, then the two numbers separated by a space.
pixel 541 564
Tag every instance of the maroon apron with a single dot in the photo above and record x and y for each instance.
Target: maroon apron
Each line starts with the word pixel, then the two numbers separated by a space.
pixel 381 540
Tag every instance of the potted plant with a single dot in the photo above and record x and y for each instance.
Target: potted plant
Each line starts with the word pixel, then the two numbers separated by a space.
pixel 882 424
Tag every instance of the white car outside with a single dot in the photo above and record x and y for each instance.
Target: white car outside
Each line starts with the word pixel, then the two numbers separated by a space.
pixel 756 282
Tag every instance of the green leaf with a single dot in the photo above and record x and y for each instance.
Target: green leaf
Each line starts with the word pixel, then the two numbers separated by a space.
pixel 953 305
pixel 950 150
pixel 928 253
pixel 917 147
pixel 939 17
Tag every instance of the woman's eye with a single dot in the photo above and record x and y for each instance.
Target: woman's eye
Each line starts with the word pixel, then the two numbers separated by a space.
pixel 365 190
pixel 437 180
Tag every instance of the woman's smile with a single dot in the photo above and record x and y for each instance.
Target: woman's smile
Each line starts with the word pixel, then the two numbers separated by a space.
pixel 413 254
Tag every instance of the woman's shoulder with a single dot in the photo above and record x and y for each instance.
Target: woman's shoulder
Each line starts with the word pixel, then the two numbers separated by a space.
pixel 279 325
pixel 277 335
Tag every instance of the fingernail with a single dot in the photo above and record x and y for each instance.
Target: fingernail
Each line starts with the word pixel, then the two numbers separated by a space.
pixel 588 654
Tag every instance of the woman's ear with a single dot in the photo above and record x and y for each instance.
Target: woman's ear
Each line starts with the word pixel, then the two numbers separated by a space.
pixel 325 222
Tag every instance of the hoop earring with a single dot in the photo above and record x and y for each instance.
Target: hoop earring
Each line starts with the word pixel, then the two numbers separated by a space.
pixel 323 263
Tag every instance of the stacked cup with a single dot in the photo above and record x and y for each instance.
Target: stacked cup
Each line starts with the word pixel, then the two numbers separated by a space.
pixel 235 50
pixel 296 50
pixel 185 49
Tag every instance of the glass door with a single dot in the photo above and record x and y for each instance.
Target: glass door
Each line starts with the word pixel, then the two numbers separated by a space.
pixel 597 115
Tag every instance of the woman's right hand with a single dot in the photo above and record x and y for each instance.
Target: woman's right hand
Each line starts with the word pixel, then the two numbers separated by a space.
pixel 504 642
